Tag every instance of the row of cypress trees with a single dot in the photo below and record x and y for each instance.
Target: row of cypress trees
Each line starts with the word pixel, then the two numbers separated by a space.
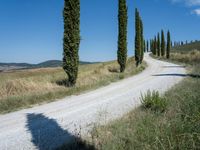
pixel 71 40
pixel 140 44
pixel 159 46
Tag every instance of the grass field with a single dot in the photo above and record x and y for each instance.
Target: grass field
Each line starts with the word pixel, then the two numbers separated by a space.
pixel 190 58
pixel 175 127
pixel 22 89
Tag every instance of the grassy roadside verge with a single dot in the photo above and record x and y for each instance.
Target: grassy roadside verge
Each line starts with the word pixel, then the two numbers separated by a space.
pixel 175 128
pixel 23 89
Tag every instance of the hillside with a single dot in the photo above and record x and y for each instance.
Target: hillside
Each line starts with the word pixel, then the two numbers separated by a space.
pixel 46 64
pixel 188 47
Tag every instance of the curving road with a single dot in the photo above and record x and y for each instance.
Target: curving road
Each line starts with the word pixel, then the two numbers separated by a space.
pixel 48 126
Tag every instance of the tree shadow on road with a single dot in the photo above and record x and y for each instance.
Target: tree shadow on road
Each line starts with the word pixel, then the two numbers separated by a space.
pixel 174 66
pixel 47 134
pixel 179 75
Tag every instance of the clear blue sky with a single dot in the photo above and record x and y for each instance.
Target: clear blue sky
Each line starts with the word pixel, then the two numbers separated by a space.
pixel 32 30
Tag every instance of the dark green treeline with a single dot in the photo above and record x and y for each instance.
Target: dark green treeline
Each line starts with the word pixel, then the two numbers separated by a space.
pixel 158 46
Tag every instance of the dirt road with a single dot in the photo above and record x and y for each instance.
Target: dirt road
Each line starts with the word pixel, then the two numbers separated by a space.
pixel 48 126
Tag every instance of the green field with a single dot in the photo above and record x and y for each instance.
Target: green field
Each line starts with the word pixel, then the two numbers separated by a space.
pixel 25 88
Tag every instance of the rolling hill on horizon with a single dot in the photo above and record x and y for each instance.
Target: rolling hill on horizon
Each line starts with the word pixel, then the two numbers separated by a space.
pixel 188 47
pixel 45 64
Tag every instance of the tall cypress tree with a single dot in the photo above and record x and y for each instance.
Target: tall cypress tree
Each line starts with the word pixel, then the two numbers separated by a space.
pixel 162 43
pixel 71 40
pixel 158 45
pixel 122 37
pixel 168 44
pixel 137 37
pixel 147 46
pixel 155 46
pixel 142 41
pixel 152 46
pixel 144 48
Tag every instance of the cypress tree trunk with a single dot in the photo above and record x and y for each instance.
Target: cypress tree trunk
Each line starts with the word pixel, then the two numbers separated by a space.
pixel 163 43
pixel 71 40
pixel 142 41
pixel 122 37
pixel 168 44
pixel 137 37
pixel 158 45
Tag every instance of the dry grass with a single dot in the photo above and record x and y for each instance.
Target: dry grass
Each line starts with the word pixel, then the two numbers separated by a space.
pixel 24 88
pixel 190 57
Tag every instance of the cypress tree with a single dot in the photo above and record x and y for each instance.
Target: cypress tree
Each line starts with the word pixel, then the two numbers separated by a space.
pixel 122 37
pixel 71 40
pixel 158 45
pixel 144 50
pixel 137 37
pixel 168 44
pixel 155 46
pixel 147 48
pixel 151 45
pixel 142 41
pixel 162 43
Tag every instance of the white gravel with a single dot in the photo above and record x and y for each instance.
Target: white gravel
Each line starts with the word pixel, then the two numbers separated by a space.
pixel 48 126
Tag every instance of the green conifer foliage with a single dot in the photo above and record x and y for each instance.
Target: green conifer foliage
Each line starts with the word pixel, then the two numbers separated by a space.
pixel 142 41
pixel 122 37
pixel 155 46
pixel 137 37
pixel 168 45
pixel 162 44
pixel 71 40
pixel 147 46
pixel 158 45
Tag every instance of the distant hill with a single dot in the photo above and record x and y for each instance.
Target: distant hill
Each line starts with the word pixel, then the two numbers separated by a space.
pixel 57 63
pixel 46 64
pixel 49 63
pixel 188 47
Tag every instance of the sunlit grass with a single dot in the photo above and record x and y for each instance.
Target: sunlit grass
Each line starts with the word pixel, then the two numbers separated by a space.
pixel 19 89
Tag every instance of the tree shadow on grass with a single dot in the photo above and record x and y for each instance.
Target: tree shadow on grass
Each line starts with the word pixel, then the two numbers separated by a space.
pixel 63 82
pixel 113 69
pixel 179 75
pixel 47 134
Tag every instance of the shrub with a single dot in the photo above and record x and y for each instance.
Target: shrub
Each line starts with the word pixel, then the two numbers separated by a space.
pixel 154 102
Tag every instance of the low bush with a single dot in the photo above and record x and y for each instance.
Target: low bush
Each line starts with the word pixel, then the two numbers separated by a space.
pixel 153 101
